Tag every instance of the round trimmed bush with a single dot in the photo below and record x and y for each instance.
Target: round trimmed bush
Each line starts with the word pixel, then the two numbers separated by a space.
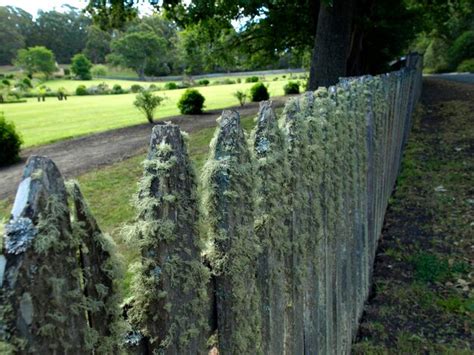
pixel 466 66
pixel 251 79
pixel 291 87
pixel 203 82
pixel 171 86
pixel 81 90
pixel 117 89
pixel 136 88
pixel 10 141
pixel 259 92
pixel 191 102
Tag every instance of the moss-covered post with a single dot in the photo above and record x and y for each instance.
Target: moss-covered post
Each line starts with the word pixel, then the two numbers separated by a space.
pixel 41 298
pixel 101 274
pixel 229 201
pixel 297 137
pixel 170 296
pixel 271 171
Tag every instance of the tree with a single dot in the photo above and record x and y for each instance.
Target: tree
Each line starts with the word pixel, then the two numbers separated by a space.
pixel 97 44
pixel 36 60
pixel 15 26
pixel 81 66
pixel 147 103
pixel 136 50
pixel 275 27
pixel 64 33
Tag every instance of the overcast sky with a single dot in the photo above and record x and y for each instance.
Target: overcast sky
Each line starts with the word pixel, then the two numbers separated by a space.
pixel 32 6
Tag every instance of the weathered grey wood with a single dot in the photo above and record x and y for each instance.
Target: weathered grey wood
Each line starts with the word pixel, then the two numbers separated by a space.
pixel 271 213
pixel 41 296
pixel 170 289
pixel 229 201
pixel 101 273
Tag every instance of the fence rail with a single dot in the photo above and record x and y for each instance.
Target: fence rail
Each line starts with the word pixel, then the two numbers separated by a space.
pixel 291 216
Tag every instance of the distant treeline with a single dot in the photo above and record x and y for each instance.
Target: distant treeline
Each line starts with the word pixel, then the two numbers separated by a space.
pixel 169 48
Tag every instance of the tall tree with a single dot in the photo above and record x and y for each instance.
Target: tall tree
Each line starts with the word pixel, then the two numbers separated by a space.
pixel 36 60
pixel 15 28
pixel 135 50
pixel 97 44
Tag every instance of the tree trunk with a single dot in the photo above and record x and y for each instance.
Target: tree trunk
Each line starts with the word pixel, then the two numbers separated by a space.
pixel 332 43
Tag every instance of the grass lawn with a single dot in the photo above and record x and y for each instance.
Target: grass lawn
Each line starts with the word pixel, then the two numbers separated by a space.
pixel 53 120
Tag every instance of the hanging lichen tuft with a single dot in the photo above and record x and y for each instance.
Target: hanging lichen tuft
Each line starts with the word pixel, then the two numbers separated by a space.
pixel 229 201
pixel 170 298
pixel 271 211
pixel 102 274
pixel 42 305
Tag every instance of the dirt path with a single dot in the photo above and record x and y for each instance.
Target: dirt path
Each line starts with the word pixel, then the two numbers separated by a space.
pixel 423 299
pixel 79 155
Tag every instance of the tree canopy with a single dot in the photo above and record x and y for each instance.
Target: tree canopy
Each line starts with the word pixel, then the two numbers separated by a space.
pixel 36 59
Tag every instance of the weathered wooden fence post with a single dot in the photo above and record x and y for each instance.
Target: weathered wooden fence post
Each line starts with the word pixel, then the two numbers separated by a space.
pixel 229 200
pixel 170 289
pixel 101 274
pixel 42 305
pixel 271 211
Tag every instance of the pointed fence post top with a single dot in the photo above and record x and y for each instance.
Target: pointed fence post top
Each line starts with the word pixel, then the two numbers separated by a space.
pixel 166 134
pixel 230 137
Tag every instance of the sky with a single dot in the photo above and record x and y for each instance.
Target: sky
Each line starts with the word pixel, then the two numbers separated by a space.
pixel 32 6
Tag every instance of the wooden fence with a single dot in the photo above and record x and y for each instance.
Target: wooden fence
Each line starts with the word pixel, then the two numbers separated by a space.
pixel 270 252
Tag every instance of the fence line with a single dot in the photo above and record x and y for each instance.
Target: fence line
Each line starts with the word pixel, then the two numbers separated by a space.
pixel 292 215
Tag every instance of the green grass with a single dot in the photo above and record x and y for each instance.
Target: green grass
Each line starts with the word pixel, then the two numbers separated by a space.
pixel 53 120
pixel 71 85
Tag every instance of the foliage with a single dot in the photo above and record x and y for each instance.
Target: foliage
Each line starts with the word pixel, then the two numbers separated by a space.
pixel 135 50
pixel 251 79
pixel 241 96
pixel 11 37
pixel 259 92
pixel 147 103
pixel 466 66
pixel 99 70
pixel 203 82
pixel 136 88
pixel 81 66
pixel 81 90
pixel 10 141
pixel 462 48
pixel 291 87
pixel 36 60
pixel 117 89
pixel 171 86
pixel 97 44
pixel 191 102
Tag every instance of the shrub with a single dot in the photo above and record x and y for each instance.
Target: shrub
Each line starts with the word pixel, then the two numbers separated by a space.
pixel 241 96
pixel 147 103
pixel 239 80
pixel 275 78
pixel 462 48
pixel 466 66
pixel 291 87
pixel 10 141
pixel 27 82
pixel 6 82
pixel 203 82
pixel 99 70
pixel 191 102
pixel 67 71
pixel 117 89
pixel 153 87
pixel 136 88
pixel 259 92
pixel 170 86
pixel 81 90
pixel 251 79
pixel 81 66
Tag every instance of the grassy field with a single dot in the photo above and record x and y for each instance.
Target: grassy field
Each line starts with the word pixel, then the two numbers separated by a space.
pixel 53 120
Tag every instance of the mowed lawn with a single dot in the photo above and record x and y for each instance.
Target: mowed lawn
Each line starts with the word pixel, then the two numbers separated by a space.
pixel 53 120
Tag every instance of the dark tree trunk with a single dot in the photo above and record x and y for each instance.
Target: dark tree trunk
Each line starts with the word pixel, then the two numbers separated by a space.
pixel 332 43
